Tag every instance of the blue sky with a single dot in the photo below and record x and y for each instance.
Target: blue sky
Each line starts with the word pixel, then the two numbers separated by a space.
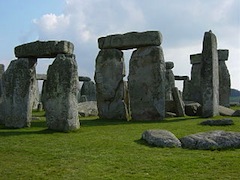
pixel 182 24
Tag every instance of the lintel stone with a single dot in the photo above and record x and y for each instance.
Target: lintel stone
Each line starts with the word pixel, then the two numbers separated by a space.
pixel 43 49
pixel 130 40
pixel 41 77
pixel 196 58
pixel 181 78
pixel 223 54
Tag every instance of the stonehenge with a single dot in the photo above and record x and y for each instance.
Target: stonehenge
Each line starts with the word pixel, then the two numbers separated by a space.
pixel 148 94
pixel 146 80
pixel 62 85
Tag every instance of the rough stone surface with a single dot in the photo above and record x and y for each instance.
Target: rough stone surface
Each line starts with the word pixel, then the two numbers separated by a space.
pixel 195 83
pixel 43 49
pixel 193 109
pixel 130 40
pixel 89 90
pixel 84 78
pixel 88 108
pixel 2 69
pixel 186 95
pixel 236 113
pixel 209 76
pixel 161 138
pixel 224 111
pixel 109 73
pixel 35 92
pixel 219 122
pixel 179 104
pixel 61 89
pixel 169 81
pixel 224 84
pixel 196 58
pixel 146 83
pixel 223 54
pixel 17 82
pixel 212 140
pixel 169 65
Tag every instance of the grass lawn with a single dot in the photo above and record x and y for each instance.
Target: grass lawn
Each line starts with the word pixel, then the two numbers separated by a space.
pixel 111 149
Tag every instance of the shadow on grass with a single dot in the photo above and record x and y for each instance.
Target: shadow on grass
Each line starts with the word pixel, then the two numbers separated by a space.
pixel 35 125
pixel 106 122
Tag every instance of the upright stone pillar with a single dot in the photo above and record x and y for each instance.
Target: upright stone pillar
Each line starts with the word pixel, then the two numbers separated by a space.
pixel 60 95
pixel 146 82
pixel 170 81
pixel 89 90
pixel 209 76
pixel 224 78
pixel 17 83
pixel 195 87
pixel 109 73
pixel 1 73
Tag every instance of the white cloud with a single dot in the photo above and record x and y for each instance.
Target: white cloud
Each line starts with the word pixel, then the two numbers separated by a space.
pixel 182 24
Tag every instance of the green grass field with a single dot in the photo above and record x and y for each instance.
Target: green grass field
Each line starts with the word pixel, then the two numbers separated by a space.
pixel 111 149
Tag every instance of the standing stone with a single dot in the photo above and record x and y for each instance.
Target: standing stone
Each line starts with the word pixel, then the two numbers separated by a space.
pixel 89 90
pixel 109 73
pixel 61 90
pixel 170 80
pixel 146 82
pixel 209 76
pixel 224 78
pixel 179 105
pixel 195 87
pixel 35 92
pixel 1 73
pixel 17 92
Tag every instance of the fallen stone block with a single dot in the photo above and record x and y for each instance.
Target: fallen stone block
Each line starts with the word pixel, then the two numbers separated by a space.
pixel 161 138
pixel 212 140
pixel 219 122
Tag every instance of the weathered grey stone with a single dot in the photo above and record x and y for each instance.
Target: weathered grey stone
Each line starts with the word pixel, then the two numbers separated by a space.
pixel 179 104
pixel 236 113
pixel 224 111
pixel 84 78
pixel 130 40
pixel 41 77
pixel 2 69
pixel 82 98
pixel 43 49
pixel 219 122
pixel 89 90
pixel 161 138
pixel 109 73
pixel 209 76
pixel 169 65
pixel 35 92
pixel 223 54
pixel 88 108
pixel 195 83
pixel 146 83
pixel 170 106
pixel 212 140
pixel 193 109
pixel 17 82
pixel 169 80
pixel 61 89
pixel 224 84
pixel 186 95
pixel 196 58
